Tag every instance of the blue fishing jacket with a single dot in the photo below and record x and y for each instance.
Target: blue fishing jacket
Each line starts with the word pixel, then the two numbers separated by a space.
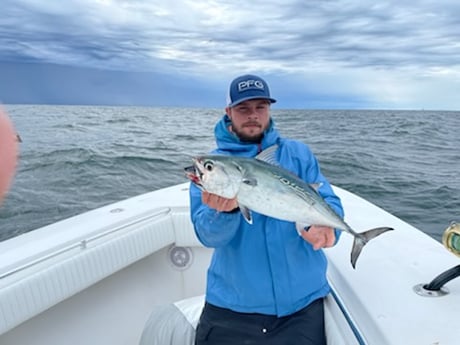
pixel 265 267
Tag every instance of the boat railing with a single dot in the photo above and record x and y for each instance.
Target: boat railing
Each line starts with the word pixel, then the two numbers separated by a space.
pixel 84 243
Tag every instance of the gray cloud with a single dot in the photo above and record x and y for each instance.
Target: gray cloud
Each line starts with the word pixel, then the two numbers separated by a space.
pixel 347 33
pixel 370 40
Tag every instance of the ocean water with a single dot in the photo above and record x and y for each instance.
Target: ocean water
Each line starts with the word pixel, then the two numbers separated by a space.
pixel 77 158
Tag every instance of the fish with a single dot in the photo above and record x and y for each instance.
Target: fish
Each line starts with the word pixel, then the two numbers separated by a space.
pixel 261 185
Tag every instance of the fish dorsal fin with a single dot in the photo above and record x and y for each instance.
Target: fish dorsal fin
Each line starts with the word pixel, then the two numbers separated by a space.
pixel 269 155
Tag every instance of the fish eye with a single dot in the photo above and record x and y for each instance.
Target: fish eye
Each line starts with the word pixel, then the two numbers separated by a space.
pixel 208 165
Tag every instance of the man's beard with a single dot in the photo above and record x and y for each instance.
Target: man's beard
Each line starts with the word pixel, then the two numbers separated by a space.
pixel 247 138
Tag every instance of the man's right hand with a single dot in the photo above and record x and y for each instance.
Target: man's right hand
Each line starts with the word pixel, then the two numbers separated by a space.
pixel 219 203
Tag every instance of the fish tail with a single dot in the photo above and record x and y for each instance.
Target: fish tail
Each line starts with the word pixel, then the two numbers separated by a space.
pixel 361 240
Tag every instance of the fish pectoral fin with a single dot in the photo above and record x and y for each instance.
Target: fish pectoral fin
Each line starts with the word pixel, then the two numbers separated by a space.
pixel 250 181
pixel 246 212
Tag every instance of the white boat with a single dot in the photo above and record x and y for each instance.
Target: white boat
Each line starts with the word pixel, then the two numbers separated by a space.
pixel 96 278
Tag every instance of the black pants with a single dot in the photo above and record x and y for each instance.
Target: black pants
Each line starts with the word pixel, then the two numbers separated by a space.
pixel 220 326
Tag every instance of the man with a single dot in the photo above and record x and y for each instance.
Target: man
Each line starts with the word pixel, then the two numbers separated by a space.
pixel 265 283
pixel 8 153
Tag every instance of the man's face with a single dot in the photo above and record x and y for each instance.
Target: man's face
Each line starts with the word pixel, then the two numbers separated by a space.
pixel 250 119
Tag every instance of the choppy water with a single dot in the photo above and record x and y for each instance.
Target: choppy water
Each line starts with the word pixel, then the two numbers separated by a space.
pixel 76 158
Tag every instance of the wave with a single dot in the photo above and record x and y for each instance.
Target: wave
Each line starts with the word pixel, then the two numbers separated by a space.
pixel 74 159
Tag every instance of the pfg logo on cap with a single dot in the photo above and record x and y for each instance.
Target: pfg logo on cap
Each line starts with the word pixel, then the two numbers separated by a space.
pixel 250 84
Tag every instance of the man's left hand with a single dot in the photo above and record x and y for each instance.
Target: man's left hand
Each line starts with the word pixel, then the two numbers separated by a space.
pixel 319 236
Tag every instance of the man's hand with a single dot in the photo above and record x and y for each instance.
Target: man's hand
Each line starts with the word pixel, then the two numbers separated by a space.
pixel 319 236
pixel 219 203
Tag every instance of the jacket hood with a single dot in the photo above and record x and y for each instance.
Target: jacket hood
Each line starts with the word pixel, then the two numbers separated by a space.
pixel 229 143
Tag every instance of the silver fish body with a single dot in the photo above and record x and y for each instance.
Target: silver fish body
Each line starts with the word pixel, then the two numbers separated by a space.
pixel 271 190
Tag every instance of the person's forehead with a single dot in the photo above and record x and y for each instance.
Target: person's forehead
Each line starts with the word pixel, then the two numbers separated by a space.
pixel 253 102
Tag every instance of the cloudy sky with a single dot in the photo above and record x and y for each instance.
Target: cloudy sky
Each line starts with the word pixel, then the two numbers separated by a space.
pixel 314 54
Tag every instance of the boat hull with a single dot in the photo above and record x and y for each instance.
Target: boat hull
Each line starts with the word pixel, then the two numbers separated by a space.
pixel 97 277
